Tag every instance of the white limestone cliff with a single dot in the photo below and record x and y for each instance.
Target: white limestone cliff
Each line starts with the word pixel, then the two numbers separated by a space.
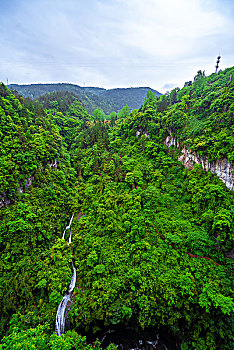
pixel 221 167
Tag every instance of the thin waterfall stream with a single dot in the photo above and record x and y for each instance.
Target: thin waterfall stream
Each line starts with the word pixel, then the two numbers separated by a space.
pixel 61 311
pixel 68 227
pixel 126 338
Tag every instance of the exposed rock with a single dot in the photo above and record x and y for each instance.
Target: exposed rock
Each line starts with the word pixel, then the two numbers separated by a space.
pixel 20 189
pixel 170 141
pixel 138 132
pixel 5 201
pixel 221 167
pixel 29 181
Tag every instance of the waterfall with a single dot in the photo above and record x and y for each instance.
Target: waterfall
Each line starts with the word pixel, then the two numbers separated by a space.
pixel 61 311
pixel 67 228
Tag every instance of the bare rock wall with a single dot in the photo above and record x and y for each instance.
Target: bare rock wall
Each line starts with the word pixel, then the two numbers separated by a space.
pixel 221 167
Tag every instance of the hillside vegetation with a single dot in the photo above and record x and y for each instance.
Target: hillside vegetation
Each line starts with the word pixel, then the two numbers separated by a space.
pixel 92 97
pixel 152 247
pixel 200 115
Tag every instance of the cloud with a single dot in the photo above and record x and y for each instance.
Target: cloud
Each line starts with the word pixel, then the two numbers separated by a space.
pixel 166 28
pixel 113 43
pixel 169 86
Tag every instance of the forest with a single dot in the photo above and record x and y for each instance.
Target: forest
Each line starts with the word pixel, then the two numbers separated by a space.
pixel 92 97
pixel 152 240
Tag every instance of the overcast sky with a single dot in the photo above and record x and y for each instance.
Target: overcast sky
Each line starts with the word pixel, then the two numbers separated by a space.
pixel 114 43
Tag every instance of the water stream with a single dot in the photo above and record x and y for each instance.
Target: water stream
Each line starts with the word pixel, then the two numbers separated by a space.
pixel 124 338
pixel 61 311
pixel 68 227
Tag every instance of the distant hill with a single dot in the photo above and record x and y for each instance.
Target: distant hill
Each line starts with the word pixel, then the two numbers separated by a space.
pixel 133 97
pixel 91 97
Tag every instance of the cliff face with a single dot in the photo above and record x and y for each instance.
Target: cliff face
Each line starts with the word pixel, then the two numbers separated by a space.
pixel 221 167
pixel 5 201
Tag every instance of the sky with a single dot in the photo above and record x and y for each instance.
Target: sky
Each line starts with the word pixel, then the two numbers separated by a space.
pixel 114 43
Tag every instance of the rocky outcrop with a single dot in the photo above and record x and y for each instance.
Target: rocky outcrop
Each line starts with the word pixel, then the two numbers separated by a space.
pixel 29 181
pixel 5 201
pixel 170 141
pixel 139 132
pixel 221 167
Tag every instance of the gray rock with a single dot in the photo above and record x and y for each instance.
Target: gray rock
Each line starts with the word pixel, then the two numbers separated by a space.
pixel 221 167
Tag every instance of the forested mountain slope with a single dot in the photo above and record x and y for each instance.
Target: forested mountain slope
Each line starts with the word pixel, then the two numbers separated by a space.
pixel 107 100
pixel 200 115
pixel 198 120
pixel 153 245
pixel 133 97
pixel 29 142
pixel 90 99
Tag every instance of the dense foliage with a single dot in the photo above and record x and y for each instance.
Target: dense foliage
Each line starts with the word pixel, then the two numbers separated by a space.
pixel 91 97
pixel 29 141
pixel 133 97
pixel 199 116
pixel 153 244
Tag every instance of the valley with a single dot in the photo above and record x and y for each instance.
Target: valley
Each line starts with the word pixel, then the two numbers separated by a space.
pixel 125 215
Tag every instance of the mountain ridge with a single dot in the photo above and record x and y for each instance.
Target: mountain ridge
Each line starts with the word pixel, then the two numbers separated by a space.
pixel 108 100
